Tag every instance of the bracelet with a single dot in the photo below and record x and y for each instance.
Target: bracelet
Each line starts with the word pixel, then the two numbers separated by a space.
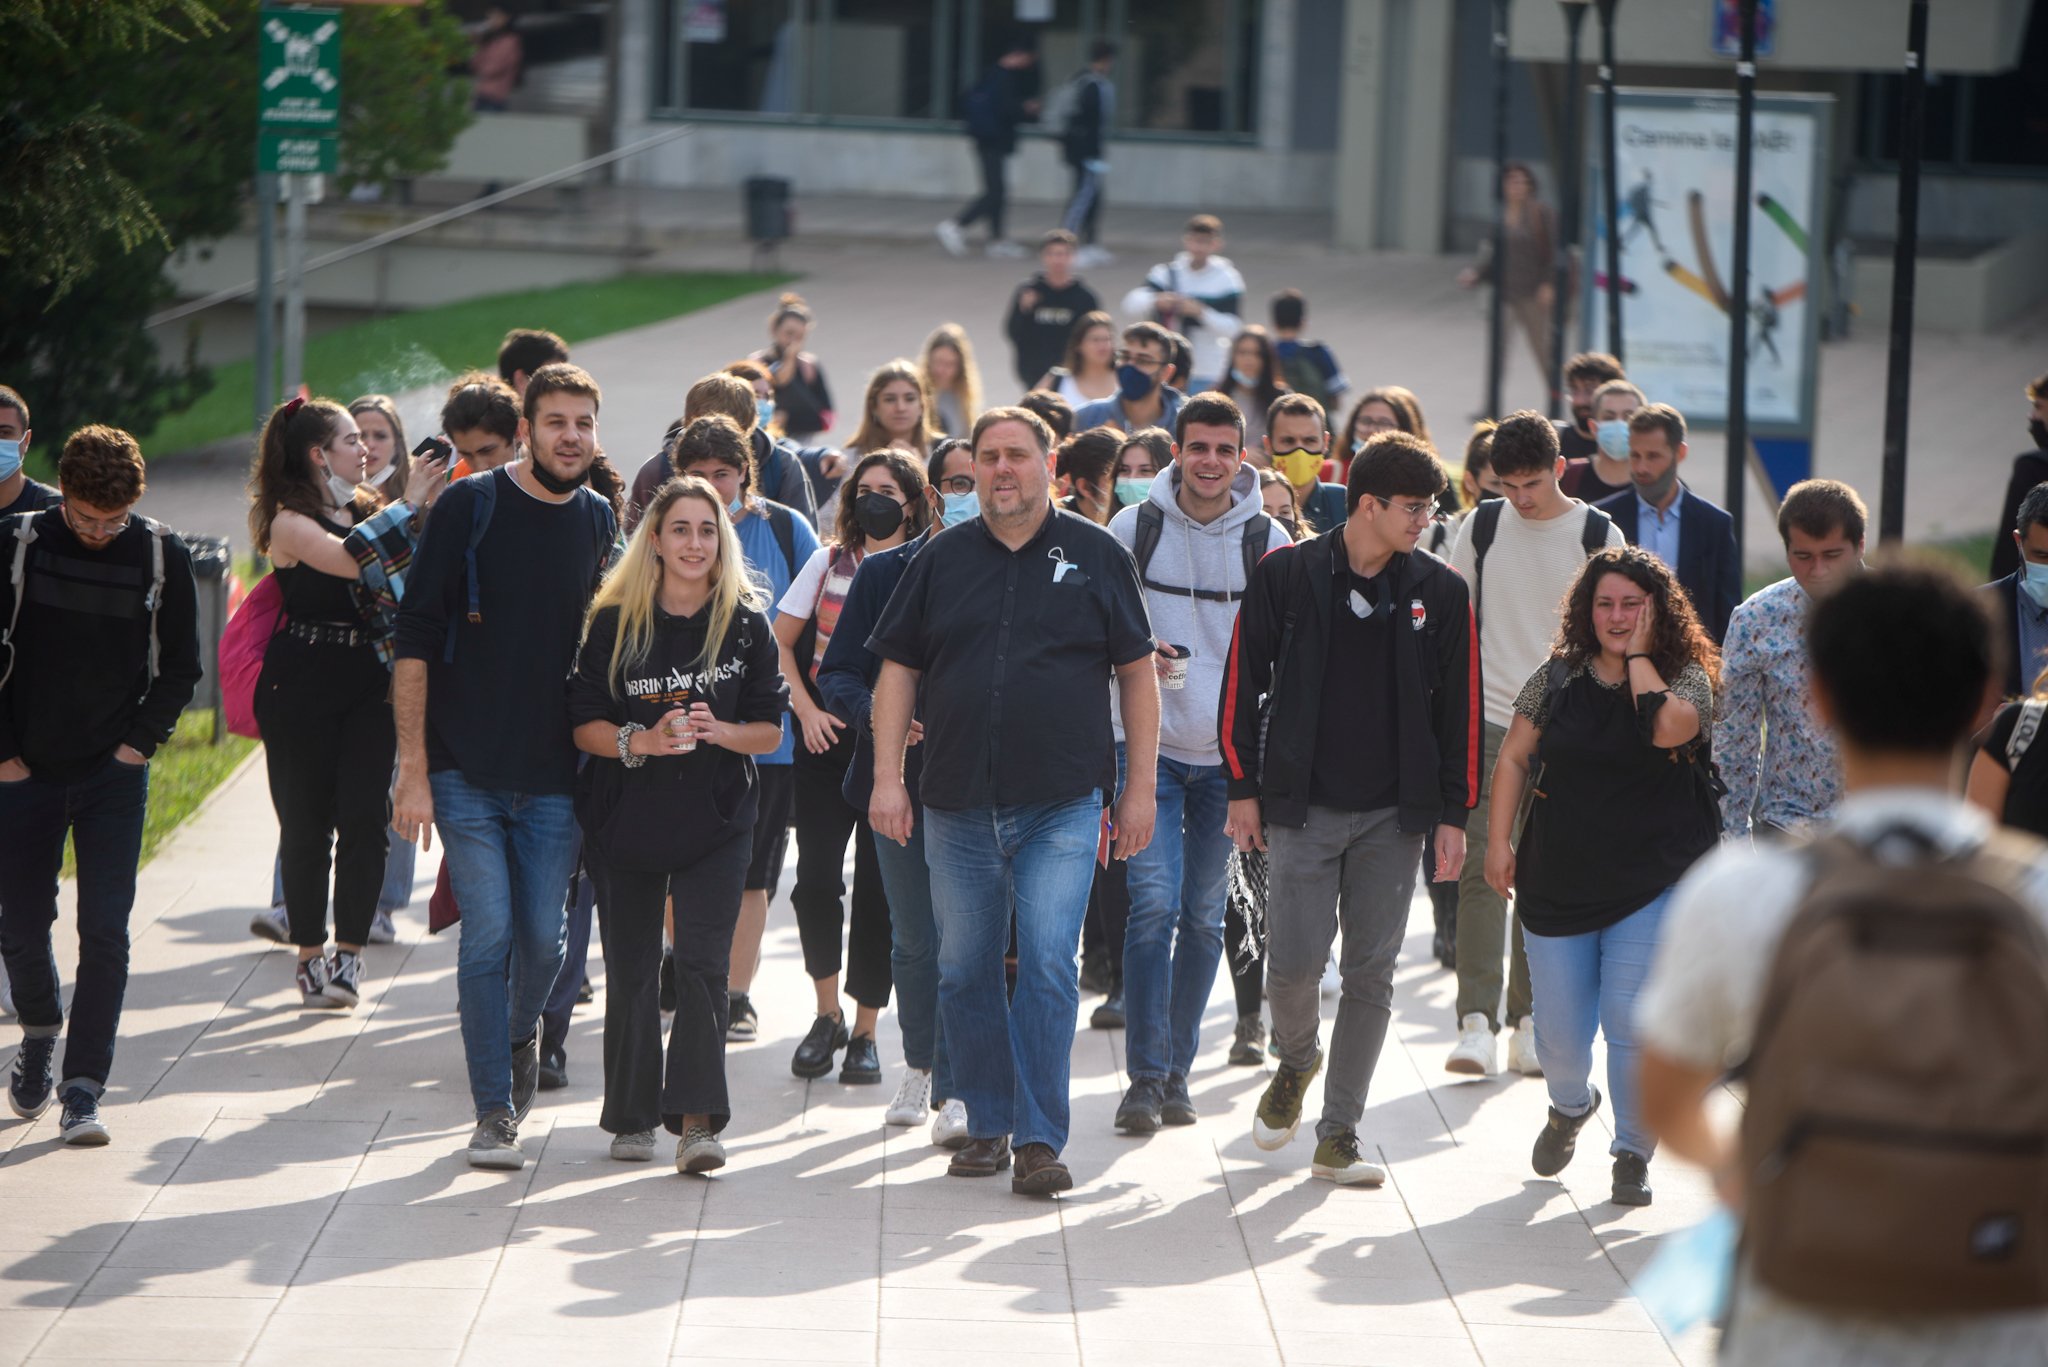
pixel 626 755
pixel 1639 655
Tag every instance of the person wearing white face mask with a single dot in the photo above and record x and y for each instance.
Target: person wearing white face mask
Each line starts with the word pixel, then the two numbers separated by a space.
pixel 1605 473
pixel 1693 537
pixel 2020 600
pixel 18 493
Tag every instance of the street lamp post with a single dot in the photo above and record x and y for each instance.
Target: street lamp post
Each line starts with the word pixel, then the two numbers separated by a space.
pixel 1898 386
pixel 1609 192
pixel 1572 157
pixel 1495 326
pixel 1738 282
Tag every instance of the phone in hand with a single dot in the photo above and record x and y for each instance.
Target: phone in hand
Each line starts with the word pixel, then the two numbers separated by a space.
pixel 433 448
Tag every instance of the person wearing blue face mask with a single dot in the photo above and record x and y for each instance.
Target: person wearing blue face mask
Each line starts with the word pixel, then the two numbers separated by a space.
pixel 2020 600
pixel 18 493
pixel 1604 471
pixel 1145 396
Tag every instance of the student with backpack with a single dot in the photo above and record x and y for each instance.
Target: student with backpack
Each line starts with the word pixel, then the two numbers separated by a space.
pixel 1882 990
pixel 1349 718
pixel 776 544
pixel 1308 367
pixel 1083 111
pixel 1608 756
pixel 102 654
pixel 1197 539
pixel 486 636
pixel 1519 552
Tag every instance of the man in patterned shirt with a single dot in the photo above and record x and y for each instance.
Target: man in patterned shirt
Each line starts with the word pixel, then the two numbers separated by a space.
pixel 1777 759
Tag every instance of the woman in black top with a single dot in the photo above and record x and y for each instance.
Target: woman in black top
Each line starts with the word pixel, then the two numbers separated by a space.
pixel 323 698
pixel 2009 774
pixel 1613 729
pixel 676 689
pixel 803 400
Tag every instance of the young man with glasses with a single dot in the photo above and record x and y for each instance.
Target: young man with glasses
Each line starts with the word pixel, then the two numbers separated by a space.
pixel 1145 396
pixel 102 655
pixel 1365 652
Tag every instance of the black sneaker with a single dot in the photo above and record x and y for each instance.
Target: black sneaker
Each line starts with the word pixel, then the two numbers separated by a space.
pixel 742 1024
pixel 525 1076
pixel 1139 1113
pixel 1631 1179
pixel 1560 1137
pixel 1176 1107
pixel 1109 1015
pixel 1095 971
pixel 1248 1045
pixel 345 978
pixel 863 1061
pixel 495 1143
pixel 81 1125
pixel 668 982
pixel 34 1081
pixel 311 976
pixel 813 1058
pixel 554 1069
pixel 585 994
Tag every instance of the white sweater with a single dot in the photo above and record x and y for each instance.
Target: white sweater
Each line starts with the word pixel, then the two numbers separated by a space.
pixel 1529 568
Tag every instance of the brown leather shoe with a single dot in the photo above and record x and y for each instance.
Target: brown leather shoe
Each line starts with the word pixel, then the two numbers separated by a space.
pixel 981 1158
pixel 1040 1172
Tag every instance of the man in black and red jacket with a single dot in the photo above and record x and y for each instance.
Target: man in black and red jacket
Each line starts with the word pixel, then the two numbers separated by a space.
pixel 1350 734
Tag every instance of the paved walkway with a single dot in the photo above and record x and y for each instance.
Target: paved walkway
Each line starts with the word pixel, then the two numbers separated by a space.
pixel 286 1186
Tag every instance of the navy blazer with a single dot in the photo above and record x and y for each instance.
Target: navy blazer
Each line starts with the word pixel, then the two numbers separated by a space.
pixel 2002 597
pixel 1708 567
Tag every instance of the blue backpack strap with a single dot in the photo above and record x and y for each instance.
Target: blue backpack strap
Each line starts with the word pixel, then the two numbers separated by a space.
pixel 480 522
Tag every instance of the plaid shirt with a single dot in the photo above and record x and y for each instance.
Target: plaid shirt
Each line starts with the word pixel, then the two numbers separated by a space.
pixel 383 545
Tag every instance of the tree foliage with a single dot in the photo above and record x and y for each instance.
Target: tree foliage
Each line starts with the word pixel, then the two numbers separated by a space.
pixel 128 129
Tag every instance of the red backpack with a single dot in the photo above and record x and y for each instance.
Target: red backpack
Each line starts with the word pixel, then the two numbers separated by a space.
pixel 242 643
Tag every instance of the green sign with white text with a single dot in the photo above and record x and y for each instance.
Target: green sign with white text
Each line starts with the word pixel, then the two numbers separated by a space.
pixel 297 154
pixel 300 61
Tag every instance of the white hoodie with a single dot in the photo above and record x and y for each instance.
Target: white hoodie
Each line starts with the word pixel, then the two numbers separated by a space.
pixel 1195 555
pixel 1219 289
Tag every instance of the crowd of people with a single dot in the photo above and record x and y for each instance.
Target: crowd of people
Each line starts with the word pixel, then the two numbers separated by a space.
pixel 1099 689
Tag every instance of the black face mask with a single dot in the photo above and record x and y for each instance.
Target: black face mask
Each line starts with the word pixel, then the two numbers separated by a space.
pixel 2038 430
pixel 877 515
pixel 547 479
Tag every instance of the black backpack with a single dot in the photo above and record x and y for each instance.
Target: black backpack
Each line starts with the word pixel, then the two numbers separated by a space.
pixel 1486 525
pixel 1152 522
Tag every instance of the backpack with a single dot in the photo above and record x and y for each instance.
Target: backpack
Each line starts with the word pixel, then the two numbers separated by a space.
pixel 243 643
pixel 1064 104
pixel 2024 728
pixel 1303 375
pixel 1152 522
pixel 782 522
pixel 486 486
pixel 981 109
pixel 17 579
pixel 1896 1136
pixel 1486 525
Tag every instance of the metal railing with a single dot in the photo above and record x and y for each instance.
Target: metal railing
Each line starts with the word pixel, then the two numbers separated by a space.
pixel 446 216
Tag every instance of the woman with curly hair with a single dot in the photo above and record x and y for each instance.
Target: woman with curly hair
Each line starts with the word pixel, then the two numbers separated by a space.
pixel 1611 736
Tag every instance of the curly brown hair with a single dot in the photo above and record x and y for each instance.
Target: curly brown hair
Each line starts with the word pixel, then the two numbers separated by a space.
pixel 101 466
pixel 1679 640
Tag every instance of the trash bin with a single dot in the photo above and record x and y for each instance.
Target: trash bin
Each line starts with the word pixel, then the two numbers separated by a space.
pixel 211 560
pixel 767 205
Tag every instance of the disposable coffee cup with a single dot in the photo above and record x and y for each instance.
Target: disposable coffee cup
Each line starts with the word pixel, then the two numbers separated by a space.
pixel 679 728
pixel 1173 672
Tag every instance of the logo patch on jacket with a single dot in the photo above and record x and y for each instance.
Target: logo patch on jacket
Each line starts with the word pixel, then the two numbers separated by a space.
pixel 1418 615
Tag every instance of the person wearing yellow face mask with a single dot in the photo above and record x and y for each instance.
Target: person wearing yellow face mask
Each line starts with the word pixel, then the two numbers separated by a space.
pixel 1297 444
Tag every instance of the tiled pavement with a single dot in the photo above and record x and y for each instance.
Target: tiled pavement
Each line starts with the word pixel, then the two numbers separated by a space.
pixel 287 1187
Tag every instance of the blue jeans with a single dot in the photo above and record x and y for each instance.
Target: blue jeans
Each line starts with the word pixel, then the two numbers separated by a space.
pixel 103 814
pixel 914 956
pixel 554 1020
pixel 1011 1061
pixel 1175 935
pixel 509 857
pixel 1587 982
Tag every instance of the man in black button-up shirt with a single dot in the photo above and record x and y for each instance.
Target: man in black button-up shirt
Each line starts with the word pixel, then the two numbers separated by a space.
pixel 1014 625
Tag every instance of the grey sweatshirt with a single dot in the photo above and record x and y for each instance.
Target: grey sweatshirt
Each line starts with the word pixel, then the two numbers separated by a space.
pixel 1194 555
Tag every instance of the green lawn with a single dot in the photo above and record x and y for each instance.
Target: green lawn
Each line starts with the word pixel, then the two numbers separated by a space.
pixel 408 350
pixel 181 774
pixel 1970 555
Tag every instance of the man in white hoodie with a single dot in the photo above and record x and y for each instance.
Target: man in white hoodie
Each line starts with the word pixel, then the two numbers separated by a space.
pixel 1196 539
pixel 1198 294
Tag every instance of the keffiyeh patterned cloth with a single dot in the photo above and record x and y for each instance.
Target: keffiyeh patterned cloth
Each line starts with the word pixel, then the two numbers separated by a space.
pixel 383 545
pixel 1247 893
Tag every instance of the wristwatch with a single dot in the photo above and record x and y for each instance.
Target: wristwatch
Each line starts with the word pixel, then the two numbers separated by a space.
pixel 626 755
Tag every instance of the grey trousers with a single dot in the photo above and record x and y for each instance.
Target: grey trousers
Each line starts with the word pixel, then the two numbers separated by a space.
pixel 1348 871
pixel 1486 922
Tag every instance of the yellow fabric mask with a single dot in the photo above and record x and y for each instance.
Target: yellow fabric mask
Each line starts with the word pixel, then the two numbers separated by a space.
pixel 1301 467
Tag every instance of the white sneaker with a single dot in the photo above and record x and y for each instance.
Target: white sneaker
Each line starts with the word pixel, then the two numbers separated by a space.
pixel 1002 249
pixel 699 1151
pixel 913 1099
pixel 382 931
pixel 949 1126
pixel 271 924
pixel 1522 1048
pixel 951 238
pixel 1333 981
pixel 1477 1053
pixel 1094 256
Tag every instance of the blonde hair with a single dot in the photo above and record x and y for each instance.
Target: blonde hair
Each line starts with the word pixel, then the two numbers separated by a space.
pixel 635 582
pixel 869 436
pixel 967 389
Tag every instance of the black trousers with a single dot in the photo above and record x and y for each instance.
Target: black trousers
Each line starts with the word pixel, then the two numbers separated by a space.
pixel 824 822
pixel 1248 982
pixel 329 743
pixel 641 1090
pixel 1109 912
pixel 994 200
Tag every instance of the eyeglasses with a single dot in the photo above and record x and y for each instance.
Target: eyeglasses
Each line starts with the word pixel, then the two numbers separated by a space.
pixel 1414 512
pixel 957 484
pixel 95 526
pixel 1368 423
pixel 1148 364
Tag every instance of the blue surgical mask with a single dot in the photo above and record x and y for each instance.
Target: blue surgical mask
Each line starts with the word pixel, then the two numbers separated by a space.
pixel 2034 579
pixel 1613 438
pixel 960 508
pixel 1357 446
pixel 1132 383
pixel 1242 380
pixel 764 411
pixel 1130 491
pixel 10 457
pixel 737 506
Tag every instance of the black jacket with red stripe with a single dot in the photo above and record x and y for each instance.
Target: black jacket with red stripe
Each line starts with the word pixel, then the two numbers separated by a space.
pixel 1278 653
